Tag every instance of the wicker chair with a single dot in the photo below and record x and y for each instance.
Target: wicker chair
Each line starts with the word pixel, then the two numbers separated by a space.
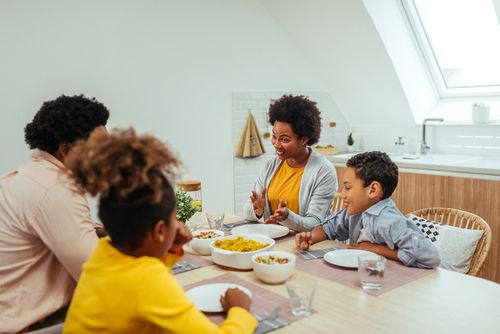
pixel 337 203
pixel 467 220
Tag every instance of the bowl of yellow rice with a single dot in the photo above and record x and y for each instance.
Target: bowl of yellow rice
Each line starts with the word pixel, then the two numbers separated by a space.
pixel 236 251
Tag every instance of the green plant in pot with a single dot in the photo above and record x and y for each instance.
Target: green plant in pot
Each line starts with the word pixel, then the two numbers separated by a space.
pixel 350 143
pixel 185 207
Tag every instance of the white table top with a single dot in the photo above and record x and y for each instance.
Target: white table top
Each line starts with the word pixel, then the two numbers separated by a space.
pixel 442 302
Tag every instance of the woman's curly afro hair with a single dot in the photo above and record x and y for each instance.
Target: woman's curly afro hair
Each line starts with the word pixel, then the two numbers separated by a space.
pixel 64 120
pixel 301 113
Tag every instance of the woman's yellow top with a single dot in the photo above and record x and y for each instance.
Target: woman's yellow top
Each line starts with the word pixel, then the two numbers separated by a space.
pixel 118 293
pixel 285 185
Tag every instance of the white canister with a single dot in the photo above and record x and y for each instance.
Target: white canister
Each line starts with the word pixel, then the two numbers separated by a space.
pixel 480 114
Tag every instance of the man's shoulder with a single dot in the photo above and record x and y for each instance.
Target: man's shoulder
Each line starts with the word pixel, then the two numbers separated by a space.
pixel 44 174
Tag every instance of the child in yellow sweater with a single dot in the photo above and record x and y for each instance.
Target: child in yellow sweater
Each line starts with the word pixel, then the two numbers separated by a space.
pixel 126 286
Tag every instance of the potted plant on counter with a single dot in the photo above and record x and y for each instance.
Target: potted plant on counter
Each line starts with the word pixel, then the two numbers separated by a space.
pixel 185 206
pixel 350 143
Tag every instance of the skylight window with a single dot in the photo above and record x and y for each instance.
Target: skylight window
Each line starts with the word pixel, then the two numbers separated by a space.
pixel 460 40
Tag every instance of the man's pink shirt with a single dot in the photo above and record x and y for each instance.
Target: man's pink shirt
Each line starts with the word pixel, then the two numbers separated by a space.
pixel 46 234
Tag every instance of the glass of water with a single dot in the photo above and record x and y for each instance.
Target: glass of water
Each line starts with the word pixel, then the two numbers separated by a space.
pixel 301 289
pixel 215 220
pixel 371 270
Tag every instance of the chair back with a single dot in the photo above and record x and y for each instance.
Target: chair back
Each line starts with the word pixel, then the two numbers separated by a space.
pixel 337 203
pixel 467 220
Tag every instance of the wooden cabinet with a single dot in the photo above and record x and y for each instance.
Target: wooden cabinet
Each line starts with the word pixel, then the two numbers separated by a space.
pixel 482 197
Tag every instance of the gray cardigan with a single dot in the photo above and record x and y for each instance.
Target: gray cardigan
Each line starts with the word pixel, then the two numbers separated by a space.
pixel 317 189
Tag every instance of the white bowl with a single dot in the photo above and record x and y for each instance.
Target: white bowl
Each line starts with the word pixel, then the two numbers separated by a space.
pixel 202 246
pixel 239 260
pixel 274 273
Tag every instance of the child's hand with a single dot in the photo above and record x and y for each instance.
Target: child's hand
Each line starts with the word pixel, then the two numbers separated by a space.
pixel 235 297
pixel 303 240
pixel 182 237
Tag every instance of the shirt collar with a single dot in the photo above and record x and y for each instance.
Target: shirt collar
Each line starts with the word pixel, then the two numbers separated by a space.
pixel 375 209
pixel 43 155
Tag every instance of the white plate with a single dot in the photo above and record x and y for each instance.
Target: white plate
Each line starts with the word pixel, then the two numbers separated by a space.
pixel 345 257
pixel 269 230
pixel 206 297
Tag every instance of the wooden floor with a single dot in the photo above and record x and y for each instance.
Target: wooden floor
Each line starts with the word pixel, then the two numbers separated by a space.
pixel 481 197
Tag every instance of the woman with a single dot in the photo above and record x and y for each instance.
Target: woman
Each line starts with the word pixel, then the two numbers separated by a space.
pixel 127 285
pixel 296 187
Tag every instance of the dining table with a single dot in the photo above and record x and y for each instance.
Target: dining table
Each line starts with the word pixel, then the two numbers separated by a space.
pixel 434 301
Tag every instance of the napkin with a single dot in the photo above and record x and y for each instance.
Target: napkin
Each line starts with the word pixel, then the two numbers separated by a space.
pixel 269 325
pixel 184 266
pixel 316 254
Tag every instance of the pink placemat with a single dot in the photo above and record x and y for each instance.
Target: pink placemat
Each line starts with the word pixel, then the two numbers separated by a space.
pixel 197 259
pixel 262 299
pixel 289 236
pixel 396 274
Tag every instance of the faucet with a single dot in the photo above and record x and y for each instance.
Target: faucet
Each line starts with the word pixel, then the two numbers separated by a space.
pixel 424 148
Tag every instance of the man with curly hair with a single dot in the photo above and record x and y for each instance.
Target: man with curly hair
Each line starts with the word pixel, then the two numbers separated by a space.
pixel 46 232
pixel 296 187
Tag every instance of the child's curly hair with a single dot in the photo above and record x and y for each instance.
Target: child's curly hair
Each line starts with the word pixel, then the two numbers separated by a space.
pixel 376 166
pixel 131 174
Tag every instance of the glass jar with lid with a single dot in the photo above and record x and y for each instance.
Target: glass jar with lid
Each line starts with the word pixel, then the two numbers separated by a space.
pixel 193 189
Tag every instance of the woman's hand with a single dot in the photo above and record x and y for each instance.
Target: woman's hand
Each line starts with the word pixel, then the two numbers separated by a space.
pixel 235 297
pixel 303 240
pixel 279 215
pixel 259 202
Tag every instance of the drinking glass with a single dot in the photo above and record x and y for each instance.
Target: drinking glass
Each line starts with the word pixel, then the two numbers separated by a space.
pixel 371 271
pixel 215 220
pixel 301 291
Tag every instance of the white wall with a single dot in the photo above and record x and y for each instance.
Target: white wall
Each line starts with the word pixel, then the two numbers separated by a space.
pixel 340 40
pixel 165 67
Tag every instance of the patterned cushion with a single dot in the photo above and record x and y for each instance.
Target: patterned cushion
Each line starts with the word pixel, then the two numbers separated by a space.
pixel 456 246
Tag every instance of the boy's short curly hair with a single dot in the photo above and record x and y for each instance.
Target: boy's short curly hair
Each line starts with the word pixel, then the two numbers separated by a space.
pixel 64 120
pixel 301 113
pixel 376 166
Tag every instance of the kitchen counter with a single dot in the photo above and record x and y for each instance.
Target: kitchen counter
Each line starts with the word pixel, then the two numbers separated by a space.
pixel 470 166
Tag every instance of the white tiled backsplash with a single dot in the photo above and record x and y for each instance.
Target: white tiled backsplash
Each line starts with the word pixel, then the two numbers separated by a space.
pixel 467 139
pixel 246 170
pixel 482 140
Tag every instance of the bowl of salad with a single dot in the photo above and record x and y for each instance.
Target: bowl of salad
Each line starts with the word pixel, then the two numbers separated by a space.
pixel 203 238
pixel 273 266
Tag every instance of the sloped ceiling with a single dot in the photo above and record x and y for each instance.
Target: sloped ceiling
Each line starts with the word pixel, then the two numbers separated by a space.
pixel 340 40
pixel 497 9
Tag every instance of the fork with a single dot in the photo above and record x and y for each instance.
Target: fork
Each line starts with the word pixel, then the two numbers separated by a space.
pixel 273 315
